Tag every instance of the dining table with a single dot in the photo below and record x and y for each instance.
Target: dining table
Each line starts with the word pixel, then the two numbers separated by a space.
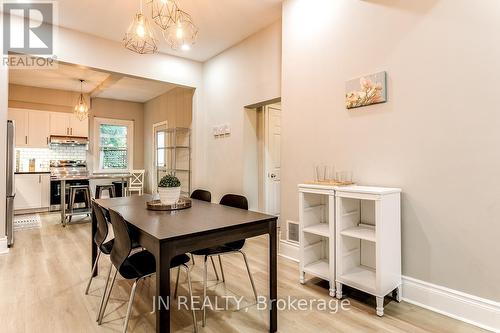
pixel 169 233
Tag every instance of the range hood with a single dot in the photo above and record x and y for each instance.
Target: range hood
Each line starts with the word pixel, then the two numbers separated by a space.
pixel 61 140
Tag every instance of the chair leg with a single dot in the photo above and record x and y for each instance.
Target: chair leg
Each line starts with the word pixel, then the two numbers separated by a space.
pixel 190 288
pixel 129 307
pixel 221 269
pixel 107 298
pixel 104 293
pixel 93 271
pixel 215 269
pixel 192 259
pixel 204 322
pixel 177 281
pixel 249 274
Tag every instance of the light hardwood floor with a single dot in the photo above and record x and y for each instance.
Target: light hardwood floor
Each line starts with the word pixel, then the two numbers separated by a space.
pixel 42 282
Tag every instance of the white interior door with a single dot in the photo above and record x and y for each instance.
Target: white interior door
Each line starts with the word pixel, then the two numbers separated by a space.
pixel 272 158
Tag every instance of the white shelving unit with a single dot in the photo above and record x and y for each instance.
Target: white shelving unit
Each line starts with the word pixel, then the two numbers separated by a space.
pixel 316 233
pixel 368 241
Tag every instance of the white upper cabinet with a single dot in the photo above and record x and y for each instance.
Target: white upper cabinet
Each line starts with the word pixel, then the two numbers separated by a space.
pixel 59 123
pixel 38 129
pixel 20 118
pixel 32 127
pixel 78 127
pixel 68 124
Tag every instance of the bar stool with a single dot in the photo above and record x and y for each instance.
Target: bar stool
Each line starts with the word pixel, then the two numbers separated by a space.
pixel 108 187
pixel 73 191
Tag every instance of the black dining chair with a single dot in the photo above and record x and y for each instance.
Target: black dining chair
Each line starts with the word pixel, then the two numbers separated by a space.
pixel 103 247
pixel 136 266
pixel 203 195
pixel 236 201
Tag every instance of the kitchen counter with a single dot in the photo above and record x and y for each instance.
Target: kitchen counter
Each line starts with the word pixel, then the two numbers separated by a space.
pixel 31 172
pixel 91 176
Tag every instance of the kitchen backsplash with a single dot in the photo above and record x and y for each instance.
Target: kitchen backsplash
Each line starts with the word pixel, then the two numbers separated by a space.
pixel 43 156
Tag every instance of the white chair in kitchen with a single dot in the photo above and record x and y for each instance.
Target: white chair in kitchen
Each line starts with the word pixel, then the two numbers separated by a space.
pixel 136 182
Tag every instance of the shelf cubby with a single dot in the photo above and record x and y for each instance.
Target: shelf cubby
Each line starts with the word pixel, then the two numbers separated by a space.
pixel 368 240
pixel 317 233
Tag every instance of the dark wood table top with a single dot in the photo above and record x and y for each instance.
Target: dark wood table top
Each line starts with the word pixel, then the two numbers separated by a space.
pixel 164 225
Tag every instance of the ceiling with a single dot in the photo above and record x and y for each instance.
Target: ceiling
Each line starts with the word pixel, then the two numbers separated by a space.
pixel 221 23
pixel 97 83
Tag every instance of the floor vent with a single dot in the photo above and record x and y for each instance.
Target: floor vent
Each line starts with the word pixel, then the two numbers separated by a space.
pixel 26 222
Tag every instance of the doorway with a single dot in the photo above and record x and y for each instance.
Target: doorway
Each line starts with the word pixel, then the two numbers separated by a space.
pixel 269 157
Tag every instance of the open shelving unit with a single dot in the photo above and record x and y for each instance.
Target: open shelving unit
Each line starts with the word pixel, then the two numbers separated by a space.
pixel 316 233
pixel 177 151
pixel 368 241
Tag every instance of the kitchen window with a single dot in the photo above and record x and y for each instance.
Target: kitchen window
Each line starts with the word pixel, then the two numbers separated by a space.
pixel 113 145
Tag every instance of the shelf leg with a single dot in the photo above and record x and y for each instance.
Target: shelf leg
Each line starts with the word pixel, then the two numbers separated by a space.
pixel 338 290
pixel 398 293
pixel 332 289
pixel 302 277
pixel 380 306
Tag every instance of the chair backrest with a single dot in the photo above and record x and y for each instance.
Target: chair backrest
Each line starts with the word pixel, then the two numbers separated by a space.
pixel 137 179
pixel 102 224
pixel 202 195
pixel 123 244
pixel 234 200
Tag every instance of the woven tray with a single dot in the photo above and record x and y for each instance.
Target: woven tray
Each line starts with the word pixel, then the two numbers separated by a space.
pixel 330 183
pixel 183 203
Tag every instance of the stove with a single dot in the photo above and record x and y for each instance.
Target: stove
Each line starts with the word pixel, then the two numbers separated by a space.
pixel 66 168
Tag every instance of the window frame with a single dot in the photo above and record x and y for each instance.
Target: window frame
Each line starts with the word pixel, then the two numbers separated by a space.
pixel 97 139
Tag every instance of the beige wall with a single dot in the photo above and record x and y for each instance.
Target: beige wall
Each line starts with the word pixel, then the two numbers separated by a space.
pixel 64 101
pixel 175 107
pixel 437 137
pixel 124 110
pixel 35 98
pixel 245 74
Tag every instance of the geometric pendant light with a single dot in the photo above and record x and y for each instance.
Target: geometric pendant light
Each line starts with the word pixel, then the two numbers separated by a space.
pixel 81 107
pixel 182 32
pixel 140 37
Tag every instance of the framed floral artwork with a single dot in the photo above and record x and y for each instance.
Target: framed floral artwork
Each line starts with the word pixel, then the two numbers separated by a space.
pixel 366 90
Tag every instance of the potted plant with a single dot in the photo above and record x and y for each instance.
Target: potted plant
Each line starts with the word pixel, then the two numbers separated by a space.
pixel 169 189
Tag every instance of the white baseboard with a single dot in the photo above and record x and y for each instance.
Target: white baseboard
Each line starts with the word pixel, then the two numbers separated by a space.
pixel 471 309
pixel 289 250
pixel 3 245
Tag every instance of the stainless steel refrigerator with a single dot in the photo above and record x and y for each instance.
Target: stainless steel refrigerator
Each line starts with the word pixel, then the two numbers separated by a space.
pixel 11 187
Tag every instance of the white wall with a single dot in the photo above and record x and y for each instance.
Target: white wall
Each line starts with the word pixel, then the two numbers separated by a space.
pixel 437 137
pixel 4 98
pixel 245 74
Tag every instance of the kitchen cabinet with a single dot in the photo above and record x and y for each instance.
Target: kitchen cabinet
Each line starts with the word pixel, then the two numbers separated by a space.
pixel 67 124
pixel 20 118
pixel 32 127
pixel 32 191
pixel 38 129
pixel 78 127
pixel 59 123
